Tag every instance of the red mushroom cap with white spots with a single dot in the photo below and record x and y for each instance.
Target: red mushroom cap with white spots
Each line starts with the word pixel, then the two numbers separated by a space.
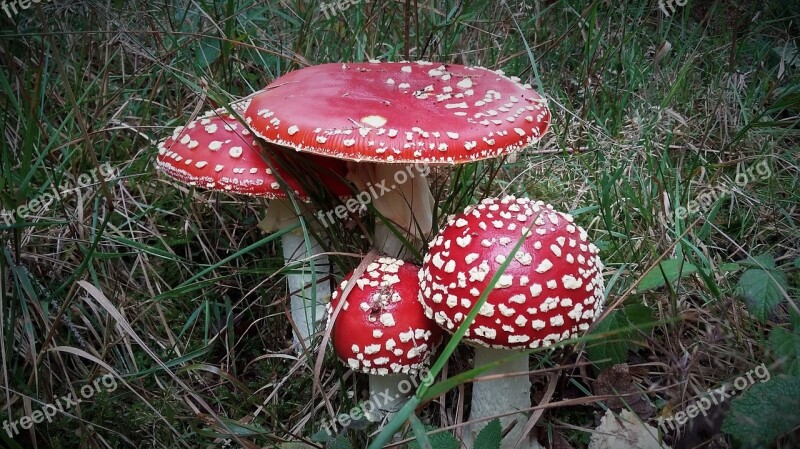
pixel 550 291
pixel 217 152
pixel 401 112
pixel 381 328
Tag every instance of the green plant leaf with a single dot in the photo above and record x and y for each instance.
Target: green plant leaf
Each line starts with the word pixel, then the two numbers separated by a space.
pixel 762 261
pixel 490 436
pixel 340 442
pixel 639 315
pixel 762 291
pixel 732 266
pixel 620 335
pixel 764 412
pixel 614 347
pixel 667 271
pixel 207 52
pixel 321 436
pixel 439 440
pixel 786 346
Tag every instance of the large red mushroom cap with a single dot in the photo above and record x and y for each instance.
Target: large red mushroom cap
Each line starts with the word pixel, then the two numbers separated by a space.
pixel 217 152
pixel 401 112
pixel 381 327
pixel 550 291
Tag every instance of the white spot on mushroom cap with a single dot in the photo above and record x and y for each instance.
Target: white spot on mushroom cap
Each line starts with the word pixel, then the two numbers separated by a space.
pixel 236 152
pixel 375 121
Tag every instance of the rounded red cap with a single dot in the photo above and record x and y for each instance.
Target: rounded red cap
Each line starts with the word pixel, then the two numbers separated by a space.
pixel 401 112
pixel 381 328
pixel 217 152
pixel 550 291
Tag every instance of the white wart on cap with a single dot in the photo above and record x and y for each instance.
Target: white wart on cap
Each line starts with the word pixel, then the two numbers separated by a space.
pixel 550 291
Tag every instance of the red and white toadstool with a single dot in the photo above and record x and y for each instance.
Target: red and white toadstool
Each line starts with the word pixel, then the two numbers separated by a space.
pixel 551 290
pixel 381 330
pixel 217 152
pixel 382 117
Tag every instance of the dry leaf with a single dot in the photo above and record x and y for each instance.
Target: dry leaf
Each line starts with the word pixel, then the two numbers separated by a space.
pixel 625 432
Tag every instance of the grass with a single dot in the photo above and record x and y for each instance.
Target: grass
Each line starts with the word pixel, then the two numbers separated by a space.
pixel 177 291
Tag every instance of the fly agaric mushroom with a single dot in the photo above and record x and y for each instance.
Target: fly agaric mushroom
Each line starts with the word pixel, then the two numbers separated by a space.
pixel 382 117
pixel 551 290
pixel 217 152
pixel 381 330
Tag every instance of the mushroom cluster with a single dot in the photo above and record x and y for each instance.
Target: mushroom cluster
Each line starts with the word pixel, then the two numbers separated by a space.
pixel 550 290
pixel 368 123
pixel 218 152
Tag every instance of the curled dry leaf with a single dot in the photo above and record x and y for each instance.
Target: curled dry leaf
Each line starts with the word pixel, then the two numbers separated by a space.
pixel 625 431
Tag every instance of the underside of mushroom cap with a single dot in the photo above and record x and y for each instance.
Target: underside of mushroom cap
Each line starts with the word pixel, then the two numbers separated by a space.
pixel 400 112
pixel 551 290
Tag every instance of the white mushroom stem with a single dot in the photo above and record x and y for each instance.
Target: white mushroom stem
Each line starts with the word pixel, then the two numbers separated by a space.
pixel 498 396
pixel 305 310
pixel 385 395
pixel 401 194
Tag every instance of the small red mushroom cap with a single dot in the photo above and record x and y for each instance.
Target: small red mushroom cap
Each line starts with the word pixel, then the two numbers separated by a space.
pixel 550 291
pixel 217 152
pixel 381 328
pixel 401 112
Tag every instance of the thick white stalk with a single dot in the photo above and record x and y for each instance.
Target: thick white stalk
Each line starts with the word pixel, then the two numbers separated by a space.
pixel 306 309
pixel 402 195
pixel 307 301
pixel 385 397
pixel 503 395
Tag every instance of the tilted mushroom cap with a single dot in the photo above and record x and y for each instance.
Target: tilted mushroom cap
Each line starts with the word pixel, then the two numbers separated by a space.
pixel 400 112
pixel 381 328
pixel 217 152
pixel 550 291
